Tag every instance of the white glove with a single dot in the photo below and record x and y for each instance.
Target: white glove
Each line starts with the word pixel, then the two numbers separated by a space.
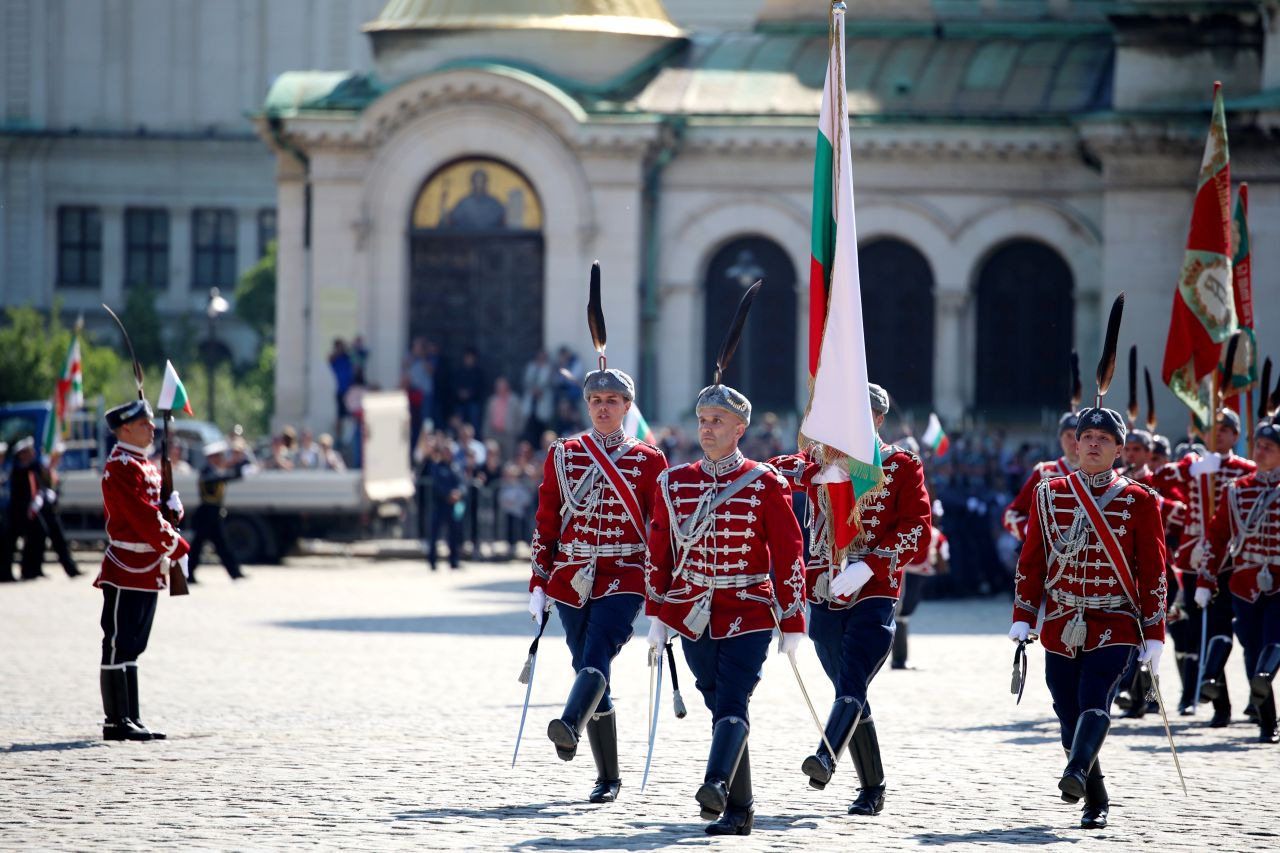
pixel 851 579
pixel 174 503
pixel 790 642
pixel 250 470
pixel 658 633
pixel 1019 632
pixel 833 474
pixel 1151 653
pixel 538 604
pixel 37 504
pixel 1203 595
pixel 1207 464
pixel 182 563
pixel 50 496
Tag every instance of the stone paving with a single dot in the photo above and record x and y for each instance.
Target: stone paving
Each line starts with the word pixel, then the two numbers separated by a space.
pixel 342 702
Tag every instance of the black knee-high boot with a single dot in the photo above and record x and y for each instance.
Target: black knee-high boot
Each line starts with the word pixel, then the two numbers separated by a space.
pixel 1188 669
pixel 728 741
pixel 584 697
pixel 820 766
pixel 131 680
pixel 1097 804
pixel 865 750
pixel 115 705
pixel 602 733
pixel 1091 731
pixel 899 659
pixel 739 815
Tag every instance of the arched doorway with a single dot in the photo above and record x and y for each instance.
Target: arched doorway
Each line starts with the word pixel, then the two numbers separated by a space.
pixel 897 304
pixel 1025 329
pixel 765 364
pixel 476 266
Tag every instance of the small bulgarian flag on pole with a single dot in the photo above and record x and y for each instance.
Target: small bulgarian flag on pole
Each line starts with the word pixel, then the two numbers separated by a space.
pixel 173 395
pixel 70 391
pixel 934 438
pixel 635 425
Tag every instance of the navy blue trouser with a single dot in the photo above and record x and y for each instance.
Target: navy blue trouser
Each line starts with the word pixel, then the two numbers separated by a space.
pixel 853 644
pixel 912 593
pixel 597 631
pixel 1257 626
pixel 727 671
pixel 1088 681
pixel 127 616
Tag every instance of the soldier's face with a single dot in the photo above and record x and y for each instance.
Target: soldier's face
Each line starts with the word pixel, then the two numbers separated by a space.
pixel 1098 449
pixel 138 432
pixel 1226 437
pixel 719 432
pixel 607 410
pixel 1067 439
pixel 1266 453
pixel 1135 454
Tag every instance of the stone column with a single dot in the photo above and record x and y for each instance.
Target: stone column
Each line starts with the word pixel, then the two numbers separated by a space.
pixel 953 352
pixel 292 298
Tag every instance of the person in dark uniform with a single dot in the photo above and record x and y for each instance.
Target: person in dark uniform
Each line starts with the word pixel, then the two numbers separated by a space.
pixel 50 522
pixel 26 499
pixel 140 547
pixel 448 502
pixel 221 466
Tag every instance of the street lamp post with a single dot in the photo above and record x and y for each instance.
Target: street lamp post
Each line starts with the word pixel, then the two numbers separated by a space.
pixel 217 307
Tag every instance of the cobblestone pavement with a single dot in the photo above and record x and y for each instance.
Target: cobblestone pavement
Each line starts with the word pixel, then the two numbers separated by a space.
pixel 347 703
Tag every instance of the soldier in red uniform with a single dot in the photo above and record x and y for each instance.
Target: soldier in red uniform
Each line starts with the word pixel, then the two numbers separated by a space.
pixel 1019 510
pixel 852 613
pixel 140 547
pixel 1191 477
pixel 1246 531
pixel 1095 558
pixel 724 548
pixel 588 547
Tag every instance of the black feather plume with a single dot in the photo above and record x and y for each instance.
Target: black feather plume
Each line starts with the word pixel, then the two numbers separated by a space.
pixel 1228 366
pixel 1273 402
pixel 1151 401
pixel 1264 389
pixel 1077 390
pixel 1107 364
pixel 137 368
pixel 734 334
pixel 1133 385
pixel 595 312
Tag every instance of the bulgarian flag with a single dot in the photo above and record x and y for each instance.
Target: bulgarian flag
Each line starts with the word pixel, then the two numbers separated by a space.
pixel 69 395
pixel 52 431
pixel 934 438
pixel 173 395
pixel 1204 308
pixel 1244 373
pixel 839 412
pixel 635 425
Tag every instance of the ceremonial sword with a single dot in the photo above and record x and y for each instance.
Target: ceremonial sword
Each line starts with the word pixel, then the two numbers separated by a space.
pixel 655 698
pixel 800 681
pixel 526 678
pixel 1155 689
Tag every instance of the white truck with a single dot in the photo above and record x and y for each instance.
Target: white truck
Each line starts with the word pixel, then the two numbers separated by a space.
pixel 269 511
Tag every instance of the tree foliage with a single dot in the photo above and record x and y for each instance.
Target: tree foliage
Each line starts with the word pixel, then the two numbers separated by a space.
pixel 34 348
pixel 256 295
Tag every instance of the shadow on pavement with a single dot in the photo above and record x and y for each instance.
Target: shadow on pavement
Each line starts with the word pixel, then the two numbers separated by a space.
pixel 515 623
pixel 1015 835
pixel 530 810
pixel 651 840
pixel 61 746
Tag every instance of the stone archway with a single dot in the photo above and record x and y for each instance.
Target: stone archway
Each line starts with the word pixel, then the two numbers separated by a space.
pixel 476 265
pixel 897 302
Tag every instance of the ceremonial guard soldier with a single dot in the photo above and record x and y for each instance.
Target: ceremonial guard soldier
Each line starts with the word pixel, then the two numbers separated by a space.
pixel 140 547
pixel 1246 531
pixel 26 499
pixel 588 549
pixel 1019 510
pixel 1095 558
pixel 852 615
pixel 1191 477
pixel 725 549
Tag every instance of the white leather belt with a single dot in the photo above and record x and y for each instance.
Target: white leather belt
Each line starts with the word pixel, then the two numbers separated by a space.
pixel 135 547
pixel 725 581
pixel 1088 602
pixel 586 549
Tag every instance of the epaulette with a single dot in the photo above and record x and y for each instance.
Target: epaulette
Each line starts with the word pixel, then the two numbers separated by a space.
pixel 894 450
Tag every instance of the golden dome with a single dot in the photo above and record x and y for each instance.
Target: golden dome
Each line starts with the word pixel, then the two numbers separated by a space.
pixel 628 17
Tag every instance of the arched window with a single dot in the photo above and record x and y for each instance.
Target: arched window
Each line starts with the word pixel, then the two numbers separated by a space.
pixel 476 269
pixel 897 310
pixel 1025 329
pixel 765 364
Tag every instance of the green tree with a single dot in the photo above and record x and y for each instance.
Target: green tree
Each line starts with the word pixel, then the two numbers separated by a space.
pixel 143 322
pixel 34 347
pixel 256 295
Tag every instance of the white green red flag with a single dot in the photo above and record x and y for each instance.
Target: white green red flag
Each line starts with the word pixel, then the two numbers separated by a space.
pixel 839 411
pixel 173 395
pixel 1244 373
pixel 1204 308
pixel 69 395
pixel 52 430
pixel 934 438
pixel 635 425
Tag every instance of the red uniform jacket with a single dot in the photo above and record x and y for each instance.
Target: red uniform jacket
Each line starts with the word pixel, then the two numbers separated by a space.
pixel 1019 510
pixel 719 563
pixel 140 541
pixel 896 519
pixel 1080 579
pixel 1246 531
pixel 1176 478
pixel 589 543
